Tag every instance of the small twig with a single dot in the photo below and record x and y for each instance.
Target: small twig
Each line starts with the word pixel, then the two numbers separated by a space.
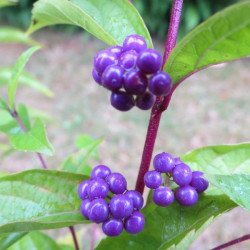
pixel 72 230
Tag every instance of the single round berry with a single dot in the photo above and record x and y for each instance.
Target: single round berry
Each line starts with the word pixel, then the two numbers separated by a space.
pixel 122 101
pixel 103 59
pixel 160 84
pixel 163 162
pixel 117 183
pixel 145 101
pixel 83 189
pixel 98 188
pixel 100 171
pixel 182 174
pixel 199 182
pixel 127 60
pixel 98 210
pixel 186 196
pixel 134 42
pixel 121 206
pixel 163 196
pixel 112 77
pixel 85 208
pixel 117 50
pixel 135 82
pixel 149 61
pixel 136 197
pixel 135 223
pixel 112 227
pixel 152 179
pixel 96 77
pixel 177 161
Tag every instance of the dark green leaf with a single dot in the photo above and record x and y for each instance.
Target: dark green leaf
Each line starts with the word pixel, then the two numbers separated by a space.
pixel 39 200
pixel 223 37
pixel 108 20
pixel 7 241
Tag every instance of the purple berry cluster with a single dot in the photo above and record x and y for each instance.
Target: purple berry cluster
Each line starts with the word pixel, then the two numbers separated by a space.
pixel 190 183
pixel 122 210
pixel 132 73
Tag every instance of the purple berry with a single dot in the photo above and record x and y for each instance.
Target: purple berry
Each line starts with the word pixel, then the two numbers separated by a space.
pixel 98 188
pixel 177 161
pixel 163 196
pixel 100 171
pixel 122 101
pixel 186 196
pixel 117 183
pixel 134 42
pixel 83 189
pixel 112 77
pixel 163 162
pixel 136 197
pixel 182 174
pixel 103 59
pixel 98 210
pixel 135 223
pixel 149 61
pixel 127 60
pixel 117 50
pixel 145 101
pixel 112 227
pixel 199 182
pixel 121 206
pixel 160 84
pixel 85 208
pixel 152 179
pixel 135 82
pixel 96 77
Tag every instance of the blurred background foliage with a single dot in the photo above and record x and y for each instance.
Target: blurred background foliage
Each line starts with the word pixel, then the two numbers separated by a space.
pixel 156 14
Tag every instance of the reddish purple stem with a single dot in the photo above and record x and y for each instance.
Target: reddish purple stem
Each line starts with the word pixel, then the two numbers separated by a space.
pixel 72 230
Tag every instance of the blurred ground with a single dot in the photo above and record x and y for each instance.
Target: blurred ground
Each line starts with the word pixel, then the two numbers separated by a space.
pixel 211 107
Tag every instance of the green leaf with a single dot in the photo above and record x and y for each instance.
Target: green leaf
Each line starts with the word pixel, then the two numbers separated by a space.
pixel 7 241
pixel 24 116
pixel 24 79
pixel 13 35
pixel 171 226
pixel 20 64
pixel 223 37
pixel 34 141
pixel 4 3
pixel 39 200
pixel 109 20
pixel 3 104
pixel 1 175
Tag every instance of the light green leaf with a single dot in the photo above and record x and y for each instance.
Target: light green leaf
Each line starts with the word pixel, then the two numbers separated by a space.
pixel 39 200
pixel 4 3
pixel 222 38
pixel 7 241
pixel 108 20
pixel 3 104
pixel 1 175
pixel 13 35
pixel 34 141
pixel 20 64
pixel 24 79
pixel 24 116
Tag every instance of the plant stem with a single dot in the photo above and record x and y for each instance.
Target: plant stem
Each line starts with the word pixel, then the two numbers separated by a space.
pixel 161 103
pixel 72 230
pixel 233 242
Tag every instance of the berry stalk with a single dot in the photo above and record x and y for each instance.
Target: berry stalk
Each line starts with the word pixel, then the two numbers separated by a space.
pixel 161 103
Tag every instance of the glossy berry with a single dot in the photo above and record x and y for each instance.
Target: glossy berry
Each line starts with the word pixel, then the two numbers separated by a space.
pixel 103 59
pixel 98 210
pixel 160 84
pixel 112 227
pixel 83 189
pixel 127 60
pixel 117 50
pixel 149 61
pixel 122 101
pixel 152 179
pixel 112 77
pixel 121 206
pixel 96 77
pixel 100 171
pixel 182 174
pixel 136 198
pixel 177 161
pixel 145 101
pixel 186 196
pixel 163 196
pixel 134 42
pixel 135 223
pixel 117 183
pixel 85 208
pixel 199 182
pixel 163 162
pixel 97 188
pixel 135 82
